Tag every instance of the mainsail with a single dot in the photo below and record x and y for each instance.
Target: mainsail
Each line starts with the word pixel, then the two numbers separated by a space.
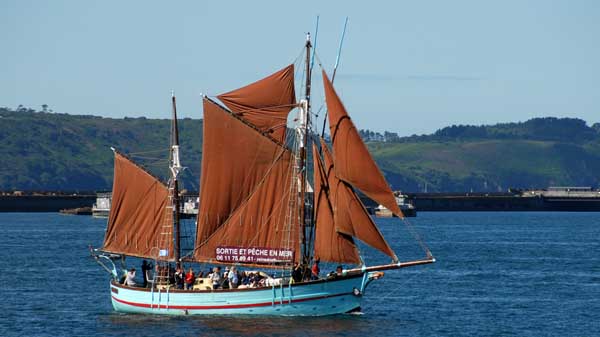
pixel 265 103
pixel 245 198
pixel 353 163
pixel 349 215
pixel 139 216
pixel 330 245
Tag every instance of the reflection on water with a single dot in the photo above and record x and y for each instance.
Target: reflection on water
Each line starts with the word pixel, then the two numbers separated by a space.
pixel 243 325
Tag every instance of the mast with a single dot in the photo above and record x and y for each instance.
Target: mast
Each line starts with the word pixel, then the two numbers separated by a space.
pixel 304 126
pixel 175 167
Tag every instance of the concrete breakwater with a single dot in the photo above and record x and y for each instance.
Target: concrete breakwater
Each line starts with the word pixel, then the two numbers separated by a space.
pixel 465 202
pixel 44 202
pixel 487 202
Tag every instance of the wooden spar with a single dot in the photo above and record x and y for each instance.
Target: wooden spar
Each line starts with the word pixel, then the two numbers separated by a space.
pixel 175 171
pixel 337 62
pixel 312 61
pixel 337 59
pixel 390 266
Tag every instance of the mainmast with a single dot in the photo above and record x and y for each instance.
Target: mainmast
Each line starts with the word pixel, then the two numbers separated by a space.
pixel 175 167
pixel 304 126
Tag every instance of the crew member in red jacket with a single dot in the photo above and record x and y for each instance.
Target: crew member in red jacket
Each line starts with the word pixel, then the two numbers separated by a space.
pixel 189 279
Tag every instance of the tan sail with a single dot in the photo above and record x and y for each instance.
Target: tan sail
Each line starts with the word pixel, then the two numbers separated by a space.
pixel 329 244
pixel 138 213
pixel 265 103
pixel 245 189
pixel 350 216
pixel 353 163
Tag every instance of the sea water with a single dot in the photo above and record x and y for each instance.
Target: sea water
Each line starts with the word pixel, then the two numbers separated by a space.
pixel 497 274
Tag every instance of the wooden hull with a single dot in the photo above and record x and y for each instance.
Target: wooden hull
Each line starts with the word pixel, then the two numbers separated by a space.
pixel 317 298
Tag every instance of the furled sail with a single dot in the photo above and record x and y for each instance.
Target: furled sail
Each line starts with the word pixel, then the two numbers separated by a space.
pixel 245 194
pixel 349 214
pixel 265 103
pixel 353 163
pixel 329 244
pixel 139 218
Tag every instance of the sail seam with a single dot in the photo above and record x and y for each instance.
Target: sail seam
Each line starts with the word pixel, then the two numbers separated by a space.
pixel 243 204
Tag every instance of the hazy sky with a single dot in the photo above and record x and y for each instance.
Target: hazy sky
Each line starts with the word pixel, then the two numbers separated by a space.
pixel 407 66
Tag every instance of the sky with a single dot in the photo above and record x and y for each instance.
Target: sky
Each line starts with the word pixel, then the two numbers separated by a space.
pixel 409 67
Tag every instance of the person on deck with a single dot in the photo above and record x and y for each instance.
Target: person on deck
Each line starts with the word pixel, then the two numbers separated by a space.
pixel 146 268
pixel 225 279
pixel 171 274
pixel 297 272
pixel 179 278
pixel 189 279
pixel 339 272
pixel 315 270
pixel 130 278
pixel 233 278
pixel 215 277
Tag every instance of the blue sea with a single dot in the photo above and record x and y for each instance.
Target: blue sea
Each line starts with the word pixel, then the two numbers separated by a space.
pixel 497 274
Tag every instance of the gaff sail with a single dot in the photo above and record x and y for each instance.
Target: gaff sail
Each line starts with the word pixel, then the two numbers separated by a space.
pixel 139 214
pixel 245 198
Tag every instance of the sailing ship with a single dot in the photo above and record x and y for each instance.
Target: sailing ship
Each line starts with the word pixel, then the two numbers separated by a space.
pixel 256 208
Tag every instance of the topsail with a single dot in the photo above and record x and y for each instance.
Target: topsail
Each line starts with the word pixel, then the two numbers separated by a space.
pixel 265 103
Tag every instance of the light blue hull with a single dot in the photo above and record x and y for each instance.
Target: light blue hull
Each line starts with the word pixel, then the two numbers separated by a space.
pixel 318 298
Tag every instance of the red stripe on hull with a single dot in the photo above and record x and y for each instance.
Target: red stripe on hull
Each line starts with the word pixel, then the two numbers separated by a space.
pixel 232 306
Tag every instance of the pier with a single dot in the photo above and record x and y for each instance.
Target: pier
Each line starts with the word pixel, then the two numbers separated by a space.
pixel 560 199
pixel 552 199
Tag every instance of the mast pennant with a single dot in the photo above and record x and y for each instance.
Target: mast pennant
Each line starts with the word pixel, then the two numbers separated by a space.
pixel 352 160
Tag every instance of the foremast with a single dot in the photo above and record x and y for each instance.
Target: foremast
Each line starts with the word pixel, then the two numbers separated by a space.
pixel 175 168
pixel 170 230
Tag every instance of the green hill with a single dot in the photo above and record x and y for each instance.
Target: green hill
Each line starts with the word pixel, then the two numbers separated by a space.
pixel 51 151
pixel 538 153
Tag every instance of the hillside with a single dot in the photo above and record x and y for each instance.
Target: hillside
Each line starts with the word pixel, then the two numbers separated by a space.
pixel 537 153
pixel 51 151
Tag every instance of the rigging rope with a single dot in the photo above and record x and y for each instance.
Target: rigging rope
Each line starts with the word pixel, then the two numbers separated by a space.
pixel 150 151
pixel 417 237
pixel 410 228
pixel 388 293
